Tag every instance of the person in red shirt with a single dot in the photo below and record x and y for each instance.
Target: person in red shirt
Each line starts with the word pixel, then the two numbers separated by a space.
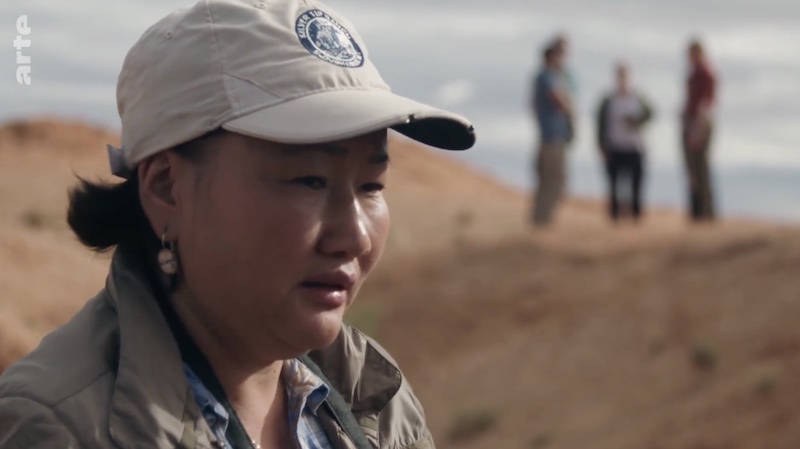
pixel 697 130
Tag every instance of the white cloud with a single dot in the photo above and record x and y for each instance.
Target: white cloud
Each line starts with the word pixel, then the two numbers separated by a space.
pixel 758 44
pixel 465 25
pixel 477 59
pixel 455 93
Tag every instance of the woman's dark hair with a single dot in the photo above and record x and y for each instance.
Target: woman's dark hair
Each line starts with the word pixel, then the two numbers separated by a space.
pixel 104 215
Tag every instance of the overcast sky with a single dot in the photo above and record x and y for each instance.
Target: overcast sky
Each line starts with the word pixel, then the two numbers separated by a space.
pixel 476 57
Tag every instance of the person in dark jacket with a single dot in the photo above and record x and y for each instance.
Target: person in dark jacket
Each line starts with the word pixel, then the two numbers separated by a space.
pixel 621 118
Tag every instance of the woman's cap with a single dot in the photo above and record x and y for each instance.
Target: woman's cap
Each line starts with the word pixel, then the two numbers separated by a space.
pixel 289 71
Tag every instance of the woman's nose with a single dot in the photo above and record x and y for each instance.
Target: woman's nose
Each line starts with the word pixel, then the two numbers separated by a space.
pixel 346 231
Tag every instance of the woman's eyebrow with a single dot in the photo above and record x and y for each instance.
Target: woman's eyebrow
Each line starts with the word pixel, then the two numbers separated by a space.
pixel 379 158
pixel 298 150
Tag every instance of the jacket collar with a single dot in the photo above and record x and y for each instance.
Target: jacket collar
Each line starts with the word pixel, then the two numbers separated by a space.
pixel 149 399
pixel 360 370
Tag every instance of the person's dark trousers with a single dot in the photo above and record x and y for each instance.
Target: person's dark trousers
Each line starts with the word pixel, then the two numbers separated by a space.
pixel 625 169
pixel 698 172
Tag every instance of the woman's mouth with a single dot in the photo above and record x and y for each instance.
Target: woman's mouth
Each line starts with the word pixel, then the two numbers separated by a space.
pixel 329 290
pixel 323 286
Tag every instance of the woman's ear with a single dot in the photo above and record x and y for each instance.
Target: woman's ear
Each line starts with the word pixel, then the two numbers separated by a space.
pixel 157 191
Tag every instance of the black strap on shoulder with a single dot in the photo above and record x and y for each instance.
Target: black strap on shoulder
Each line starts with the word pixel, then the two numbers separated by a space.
pixel 235 433
pixel 190 354
pixel 340 408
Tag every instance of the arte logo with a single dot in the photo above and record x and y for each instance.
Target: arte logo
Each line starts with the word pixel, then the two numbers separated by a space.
pixel 23 61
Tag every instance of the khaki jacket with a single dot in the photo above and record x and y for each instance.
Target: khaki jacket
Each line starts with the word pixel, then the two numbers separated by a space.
pixel 112 377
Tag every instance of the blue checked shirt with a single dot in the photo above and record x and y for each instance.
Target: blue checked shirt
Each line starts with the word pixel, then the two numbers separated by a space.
pixel 305 392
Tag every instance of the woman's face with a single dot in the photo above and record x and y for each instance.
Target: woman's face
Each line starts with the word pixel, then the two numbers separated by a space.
pixel 276 240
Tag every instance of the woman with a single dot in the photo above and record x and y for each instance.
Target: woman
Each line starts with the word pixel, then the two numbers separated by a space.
pixel 254 151
pixel 621 119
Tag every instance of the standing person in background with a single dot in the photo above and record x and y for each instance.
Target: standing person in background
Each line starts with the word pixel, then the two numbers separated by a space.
pixel 562 41
pixel 696 133
pixel 552 107
pixel 621 117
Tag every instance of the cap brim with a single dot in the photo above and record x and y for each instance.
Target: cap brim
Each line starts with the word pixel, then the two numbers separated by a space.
pixel 342 114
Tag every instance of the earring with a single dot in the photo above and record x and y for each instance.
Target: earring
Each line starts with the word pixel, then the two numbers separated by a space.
pixel 167 259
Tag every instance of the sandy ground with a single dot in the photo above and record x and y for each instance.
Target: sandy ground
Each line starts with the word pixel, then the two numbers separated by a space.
pixel 656 336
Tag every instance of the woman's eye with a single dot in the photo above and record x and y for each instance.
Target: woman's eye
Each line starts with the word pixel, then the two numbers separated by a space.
pixel 373 187
pixel 313 182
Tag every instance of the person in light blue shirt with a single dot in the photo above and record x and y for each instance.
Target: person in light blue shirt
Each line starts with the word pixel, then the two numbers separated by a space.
pixel 552 107
pixel 561 41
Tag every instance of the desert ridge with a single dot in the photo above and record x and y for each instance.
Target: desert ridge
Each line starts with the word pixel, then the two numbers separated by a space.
pixel 662 335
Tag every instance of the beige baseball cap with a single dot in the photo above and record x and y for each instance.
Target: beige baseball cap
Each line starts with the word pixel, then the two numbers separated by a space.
pixel 289 71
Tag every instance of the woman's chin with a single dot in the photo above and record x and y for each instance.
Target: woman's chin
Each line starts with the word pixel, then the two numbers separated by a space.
pixel 321 332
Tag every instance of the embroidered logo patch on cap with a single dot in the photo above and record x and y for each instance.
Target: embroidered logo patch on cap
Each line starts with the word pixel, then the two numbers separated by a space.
pixel 326 39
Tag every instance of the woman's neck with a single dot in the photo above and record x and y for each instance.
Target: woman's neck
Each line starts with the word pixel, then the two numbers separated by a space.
pixel 260 403
pixel 252 386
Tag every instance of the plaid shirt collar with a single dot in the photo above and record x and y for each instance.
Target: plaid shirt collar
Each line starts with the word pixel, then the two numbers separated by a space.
pixel 305 393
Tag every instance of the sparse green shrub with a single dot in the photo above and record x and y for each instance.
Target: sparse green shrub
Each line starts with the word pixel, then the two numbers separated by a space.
pixel 657 347
pixel 463 221
pixel 469 424
pixel 465 218
pixel 34 219
pixel 766 384
pixel 365 317
pixel 704 357
pixel 400 238
pixel 542 441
